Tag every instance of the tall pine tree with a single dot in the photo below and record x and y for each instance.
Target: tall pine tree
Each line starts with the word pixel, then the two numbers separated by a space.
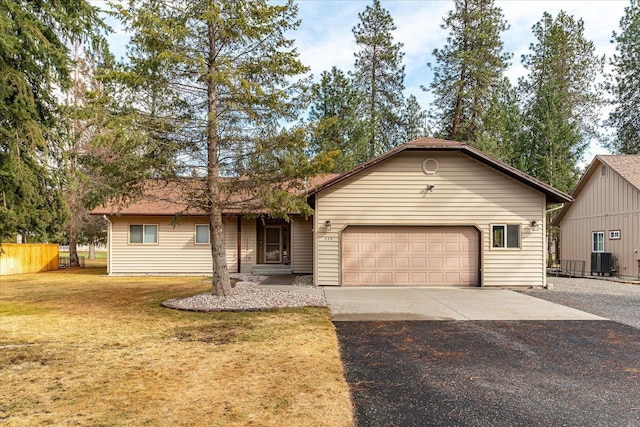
pixel 561 99
pixel 625 84
pixel 34 66
pixel 224 73
pixel 467 69
pixel 334 121
pixel 379 78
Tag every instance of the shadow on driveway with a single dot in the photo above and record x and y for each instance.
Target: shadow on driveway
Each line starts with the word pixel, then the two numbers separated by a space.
pixel 492 373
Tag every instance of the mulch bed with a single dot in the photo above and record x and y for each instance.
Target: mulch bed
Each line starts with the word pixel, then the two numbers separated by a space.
pixel 492 373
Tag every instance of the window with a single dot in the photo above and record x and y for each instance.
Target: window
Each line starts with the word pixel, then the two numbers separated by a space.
pixel 598 241
pixel 614 234
pixel 505 236
pixel 143 234
pixel 202 234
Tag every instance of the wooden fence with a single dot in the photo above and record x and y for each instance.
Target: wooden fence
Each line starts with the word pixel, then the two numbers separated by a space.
pixel 28 258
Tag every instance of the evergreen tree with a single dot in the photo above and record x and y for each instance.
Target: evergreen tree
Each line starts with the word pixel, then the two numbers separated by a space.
pixel 379 78
pixel 562 100
pixel 625 87
pixel 34 66
pixel 467 69
pixel 413 119
pixel 223 73
pixel 503 126
pixel 333 119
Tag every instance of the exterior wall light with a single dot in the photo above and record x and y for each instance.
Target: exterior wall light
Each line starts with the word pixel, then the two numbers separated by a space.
pixel 534 225
pixel 327 225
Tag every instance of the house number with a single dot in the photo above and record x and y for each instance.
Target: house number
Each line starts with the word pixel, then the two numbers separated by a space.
pixel 328 238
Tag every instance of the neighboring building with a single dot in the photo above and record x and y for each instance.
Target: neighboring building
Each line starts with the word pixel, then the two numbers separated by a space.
pixel 605 216
pixel 430 212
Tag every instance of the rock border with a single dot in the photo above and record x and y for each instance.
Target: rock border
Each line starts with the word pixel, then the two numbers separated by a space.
pixel 246 296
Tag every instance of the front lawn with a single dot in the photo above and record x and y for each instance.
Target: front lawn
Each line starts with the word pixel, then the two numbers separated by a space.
pixel 80 348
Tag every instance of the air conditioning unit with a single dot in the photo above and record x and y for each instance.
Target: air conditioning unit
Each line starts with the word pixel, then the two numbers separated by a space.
pixel 601 262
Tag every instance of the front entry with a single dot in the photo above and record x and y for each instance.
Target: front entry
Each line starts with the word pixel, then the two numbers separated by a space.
pixel 273 244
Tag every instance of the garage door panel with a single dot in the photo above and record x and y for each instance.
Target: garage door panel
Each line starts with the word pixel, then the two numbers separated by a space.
pixel 400 277
pixel 409 256
pixel 401 247
pixel 385 247
pixel 385 262
pixel 401 262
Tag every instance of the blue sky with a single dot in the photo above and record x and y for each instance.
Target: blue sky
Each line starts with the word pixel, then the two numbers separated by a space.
pixel 325 39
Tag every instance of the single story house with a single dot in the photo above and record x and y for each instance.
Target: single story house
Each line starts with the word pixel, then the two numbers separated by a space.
pixel 430 213
pixel 602 225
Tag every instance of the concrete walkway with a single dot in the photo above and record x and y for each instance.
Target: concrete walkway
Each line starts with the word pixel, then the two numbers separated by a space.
pixel 420 303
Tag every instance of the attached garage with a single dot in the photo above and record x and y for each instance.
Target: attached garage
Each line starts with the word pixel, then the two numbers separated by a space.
pixel 410 256
pixel 431 213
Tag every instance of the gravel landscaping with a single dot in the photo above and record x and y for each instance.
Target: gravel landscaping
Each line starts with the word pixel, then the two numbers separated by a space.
pixel 616 301
pixel 246 296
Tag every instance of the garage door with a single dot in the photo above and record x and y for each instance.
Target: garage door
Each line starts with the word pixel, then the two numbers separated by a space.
pixel 409 256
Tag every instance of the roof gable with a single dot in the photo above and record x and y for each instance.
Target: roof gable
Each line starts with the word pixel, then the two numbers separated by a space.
pixel 625 165
pixel 433 144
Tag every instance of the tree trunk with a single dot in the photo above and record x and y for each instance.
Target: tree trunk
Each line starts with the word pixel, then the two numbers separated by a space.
pixel 221 285
pixel 73 250
pixel 92 250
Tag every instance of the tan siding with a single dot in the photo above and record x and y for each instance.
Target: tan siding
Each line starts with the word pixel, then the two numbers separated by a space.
pixel 248 245
pixel 466 193
pixel 176 251
pixel 302 246
pixel 604 204
pixel 231 243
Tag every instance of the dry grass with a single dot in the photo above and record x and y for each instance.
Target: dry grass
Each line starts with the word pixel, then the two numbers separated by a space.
pixel 80 348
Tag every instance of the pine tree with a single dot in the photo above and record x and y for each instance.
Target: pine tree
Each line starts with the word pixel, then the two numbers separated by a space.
pixel 413 119
pixel 333 119
pixel 467 68
pixel 221 75
pixel 625 84
pixel 503 126
pixel 562 100
pixel 379 78
pixel 34 67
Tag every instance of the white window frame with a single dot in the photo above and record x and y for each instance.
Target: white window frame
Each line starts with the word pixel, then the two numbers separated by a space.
pixel 594 242
pixel 505 243
pixel 144 234
pixel 195 234
pixel 614 234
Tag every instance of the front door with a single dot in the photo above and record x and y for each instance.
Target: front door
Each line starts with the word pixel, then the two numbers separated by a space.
pixel 273 244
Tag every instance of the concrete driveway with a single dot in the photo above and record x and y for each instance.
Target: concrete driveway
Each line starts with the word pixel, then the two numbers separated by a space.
pixel 422 303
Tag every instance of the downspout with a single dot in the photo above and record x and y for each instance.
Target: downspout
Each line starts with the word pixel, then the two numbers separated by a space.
pixel 239 244
pixel 109 230
pixel 547 235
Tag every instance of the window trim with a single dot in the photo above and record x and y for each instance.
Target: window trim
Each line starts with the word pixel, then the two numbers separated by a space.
pixel 506 246
pixel 593 235
pixel 615 234
pixel 195 234
pixel 144 234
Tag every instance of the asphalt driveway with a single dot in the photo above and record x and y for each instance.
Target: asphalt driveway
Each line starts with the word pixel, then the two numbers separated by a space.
pixel 496 372
pixel 492 373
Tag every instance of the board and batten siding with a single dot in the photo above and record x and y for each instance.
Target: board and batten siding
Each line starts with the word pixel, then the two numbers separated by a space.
pixel 466 193
pixel 605 203
pixel 301 245
pixel 176 251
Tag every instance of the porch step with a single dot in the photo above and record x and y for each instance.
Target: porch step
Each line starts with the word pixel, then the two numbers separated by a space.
pixel 271 269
